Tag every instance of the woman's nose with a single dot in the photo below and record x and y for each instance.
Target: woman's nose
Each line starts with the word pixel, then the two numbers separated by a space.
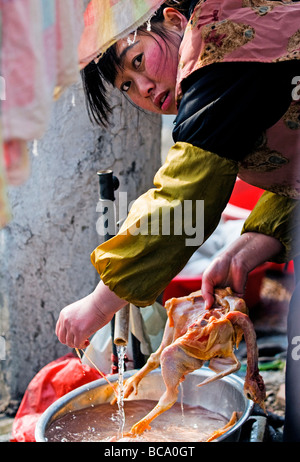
pixel 145 86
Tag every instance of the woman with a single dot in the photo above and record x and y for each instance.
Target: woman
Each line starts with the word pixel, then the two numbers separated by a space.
pixel 227 73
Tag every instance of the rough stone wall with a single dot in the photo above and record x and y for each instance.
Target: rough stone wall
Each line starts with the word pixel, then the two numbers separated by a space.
pixel 45 250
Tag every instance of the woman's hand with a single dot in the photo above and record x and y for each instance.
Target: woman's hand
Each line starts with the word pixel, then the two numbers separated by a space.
pixel 231 268
pixel 78 321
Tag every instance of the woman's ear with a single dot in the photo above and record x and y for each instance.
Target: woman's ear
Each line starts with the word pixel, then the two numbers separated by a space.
pixel 174 20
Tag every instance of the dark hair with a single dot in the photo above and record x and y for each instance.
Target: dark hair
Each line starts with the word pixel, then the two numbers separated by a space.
pixel 96 76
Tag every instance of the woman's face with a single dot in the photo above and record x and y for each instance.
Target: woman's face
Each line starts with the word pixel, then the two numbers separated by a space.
pixel 149 69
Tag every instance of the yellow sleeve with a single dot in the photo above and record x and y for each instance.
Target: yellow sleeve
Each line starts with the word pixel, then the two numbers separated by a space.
pixel 277 216
pixel 139 262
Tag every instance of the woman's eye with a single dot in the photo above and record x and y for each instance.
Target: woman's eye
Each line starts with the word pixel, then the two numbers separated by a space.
pixel 137 61
pixel 125 86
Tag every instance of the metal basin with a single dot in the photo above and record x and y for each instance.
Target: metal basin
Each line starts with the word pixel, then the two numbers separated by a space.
pixel 223 396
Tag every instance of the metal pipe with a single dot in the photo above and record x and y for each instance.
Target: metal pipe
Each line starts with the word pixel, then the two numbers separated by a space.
pixel 122 326
pixel 108 184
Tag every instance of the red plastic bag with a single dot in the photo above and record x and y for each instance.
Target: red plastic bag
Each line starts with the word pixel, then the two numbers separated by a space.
pixel 51 382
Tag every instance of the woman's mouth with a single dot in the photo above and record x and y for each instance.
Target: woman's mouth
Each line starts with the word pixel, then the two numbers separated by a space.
pixel 163 100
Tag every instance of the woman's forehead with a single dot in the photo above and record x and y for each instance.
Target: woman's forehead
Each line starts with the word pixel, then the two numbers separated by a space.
pixel 125 44
pixel 121 45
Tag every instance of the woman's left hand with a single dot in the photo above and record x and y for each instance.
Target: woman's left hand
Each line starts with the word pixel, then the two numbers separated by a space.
pixel 231 268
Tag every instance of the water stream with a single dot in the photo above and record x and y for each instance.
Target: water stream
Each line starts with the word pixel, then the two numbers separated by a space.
pixel 121 350
pixel 181 403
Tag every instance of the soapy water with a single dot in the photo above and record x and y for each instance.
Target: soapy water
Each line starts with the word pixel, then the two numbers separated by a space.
pixel 107 422
pixel 101 423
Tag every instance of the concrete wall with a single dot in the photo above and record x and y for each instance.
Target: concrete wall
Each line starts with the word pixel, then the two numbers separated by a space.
pixel 45 251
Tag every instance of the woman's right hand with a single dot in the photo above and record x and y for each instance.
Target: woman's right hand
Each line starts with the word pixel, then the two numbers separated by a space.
pixel 78 321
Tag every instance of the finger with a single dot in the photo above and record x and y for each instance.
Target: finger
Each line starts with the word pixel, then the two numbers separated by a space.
pixel 70 340
pixel 60 333
pixel 57 327
pixel 239 281
pixel 207 289
pixel 80 343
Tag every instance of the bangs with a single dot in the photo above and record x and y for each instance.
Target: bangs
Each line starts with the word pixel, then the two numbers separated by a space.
pixel 109 65
pixel 94 78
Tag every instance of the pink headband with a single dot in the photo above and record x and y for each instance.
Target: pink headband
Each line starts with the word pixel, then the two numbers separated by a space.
pixel 107 21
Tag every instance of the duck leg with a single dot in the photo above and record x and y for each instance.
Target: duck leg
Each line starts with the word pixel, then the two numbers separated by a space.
pixel 222 367
pixel 131 384
pixel 175 364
